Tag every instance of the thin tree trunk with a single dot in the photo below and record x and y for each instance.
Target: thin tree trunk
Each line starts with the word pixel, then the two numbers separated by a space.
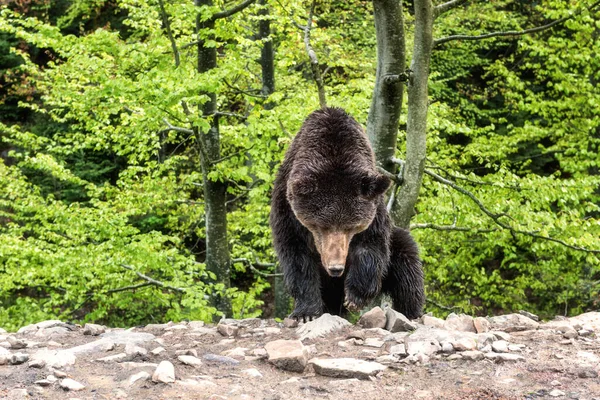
pixel 416 129
pixel 217 246
pixel 382 124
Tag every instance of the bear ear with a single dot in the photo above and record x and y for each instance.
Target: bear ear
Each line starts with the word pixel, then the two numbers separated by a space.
pixel 374 185
pixel 301 187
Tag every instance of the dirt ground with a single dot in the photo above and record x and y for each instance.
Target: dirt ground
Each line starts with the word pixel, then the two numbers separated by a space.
pixel 553 367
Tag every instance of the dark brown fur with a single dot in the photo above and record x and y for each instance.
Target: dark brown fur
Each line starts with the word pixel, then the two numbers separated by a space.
pixel 328 204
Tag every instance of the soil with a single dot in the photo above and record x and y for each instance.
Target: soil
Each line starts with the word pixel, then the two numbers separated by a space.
pixel 554 367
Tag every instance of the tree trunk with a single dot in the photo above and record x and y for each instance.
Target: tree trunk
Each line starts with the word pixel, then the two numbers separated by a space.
pixel 217 245
pixel 416 127
pixel 382 124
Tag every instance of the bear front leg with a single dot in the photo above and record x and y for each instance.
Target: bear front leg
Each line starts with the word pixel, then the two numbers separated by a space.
pixel 301 275
pixel 363 282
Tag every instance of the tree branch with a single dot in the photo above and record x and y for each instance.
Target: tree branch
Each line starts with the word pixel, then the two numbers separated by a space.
pixel 515 33
pixel 153 281
pixel 259 264
pixel 232 10
pixel 445 7
pixel 165 18
pixel 132 287
pixel 496 217
pixel 450 228
pixel 201 142
pixel 314 61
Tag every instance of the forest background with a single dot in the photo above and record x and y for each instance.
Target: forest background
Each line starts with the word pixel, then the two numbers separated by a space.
pixel 117 117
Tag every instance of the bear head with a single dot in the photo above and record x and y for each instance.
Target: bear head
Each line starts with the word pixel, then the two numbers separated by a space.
pixel 334 206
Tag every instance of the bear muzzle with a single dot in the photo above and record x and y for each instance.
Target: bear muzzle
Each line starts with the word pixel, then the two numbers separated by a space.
pixel 333 247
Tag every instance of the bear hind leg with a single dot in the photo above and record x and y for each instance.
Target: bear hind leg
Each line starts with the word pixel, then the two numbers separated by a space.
pixel 404 281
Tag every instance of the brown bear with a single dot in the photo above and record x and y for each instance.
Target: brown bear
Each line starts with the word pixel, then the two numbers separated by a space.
pixel 334 238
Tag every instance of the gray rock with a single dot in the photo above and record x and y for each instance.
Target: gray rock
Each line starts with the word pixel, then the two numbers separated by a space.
pixel 28 329
pixel 455 356
pixel 247 323
pixel 38 363
pixel 447 347
pixel 427 347
pixel 97 346
pixel 472 355
pixel 374 318
pixel 572 334
pixel 157 350
pixel 504 356
pixel 529 315
pixel 500 346
pixel 481 325
pixel 16 394
pixel 191 361
pixel 432 321
pixel 124 337
pixel 140 376
pixel 556 393
pixel 133 350
pixel 16 343
pixel 346 368
pixel 114 358
pixel 289 355
pixel 464 344
pixel 373 342
pixel 164 373
pixel 52 332
pixel 290 323
pixel 18 358
pixel 500 335
pixel 587 373
pixel 53 324
pixel 188 352
pixel 71 385
pixel 485 339
pixel 462 323
pixel 228 330
pixel 397 322
pixel 398 349
pixel 93 329
pixel 43 382
pixel 239 352
pixel 513 323
pixel 214 358
pixel 321 326
pixel 252 373
pixel 5 355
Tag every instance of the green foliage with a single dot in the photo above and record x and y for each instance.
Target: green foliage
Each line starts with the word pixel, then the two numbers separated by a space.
pixel 97 194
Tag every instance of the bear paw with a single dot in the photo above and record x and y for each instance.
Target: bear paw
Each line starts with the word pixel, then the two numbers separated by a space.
pixel 354 303
pixel 303 314
pixel 350 306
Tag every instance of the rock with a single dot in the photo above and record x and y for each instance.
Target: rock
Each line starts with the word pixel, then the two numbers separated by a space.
pixel 485 339
pixel 462 323
pixel 38 363
pixel 456 356
pixel 227 330
pixel 131 365
pixel 59 374
pixel 432 321
pixel 464 344
pixel 427 347
pixel 556 393
pixel 447 347
pixel 165 373
pixel 16 343
pixel 114 358
pixel 54 324
pixel 220 359
pixel 157 350
pixel 473 355
pixel 2 331
pixel 51 332
pixel 16 394
pixel 504 356
pixel 237 352
pixel 71 385
pixel 28 329
pixel 178 327
pixel 5 355
pixel 187 352
pixel 43 382
pixel 500 335
pixel 191 361
pixel 93 329
pixel 529 315
pixel 252 373
pixel 375 318
pixel 374 342
pixel 570 334
pixel 133 350
pixel 140 376
pixel 247 323
pixel 290 323
pixel 397 322
pixel 591 320
pixel 347 368
pixel 124 337
pixel 500 346
pixel 481 325
pixel 398 349
pixel 289 355
pixel 100 345
pixel 587 373
pixel 513 323
pixel 18 358
pixel 322 326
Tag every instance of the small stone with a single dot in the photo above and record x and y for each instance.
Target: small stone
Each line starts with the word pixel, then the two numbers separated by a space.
pixel 500 335
pixel 260 352
pixel 191 361
pixel 252 373
pixel 176 328
pixel 513 323
pixel 447 347
pixel 515 347
pixel 432 321
pixel 157 350
pixel 504 357
pixel 114 358
pixel 213 358
pixel 462 323
pixel 227 330
pixel 347 368
pixel 472 355
pixel 271 330
pixel 18 358
pixel 37 363
pixel 571 334
pixel 16 343
pixel 464 344
pixel 375 318
pixel 481 324
pixel 132 350
pixel 397 322
pixel 398 349
pixel 93 329
pixel 59 374
pixel 16 394
pixel 165 373
pixel 374 342
pixel 427 347
pixel 239 352
pixel 485 349
pixel 290 323
pixel 456 356
pixel 53 323
pixel 587 373
pixel 187 352
pixel 289 355
pixel 140 376
pixel 555 383
pixel 321 326
pixel 556 393
pixel 43 382
pixel 70 384
pixel 500 346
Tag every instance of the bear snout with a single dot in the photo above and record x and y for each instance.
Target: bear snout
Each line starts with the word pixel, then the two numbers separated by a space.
pixel 335 270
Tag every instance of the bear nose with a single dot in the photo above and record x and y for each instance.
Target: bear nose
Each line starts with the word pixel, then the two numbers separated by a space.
pixel 335 270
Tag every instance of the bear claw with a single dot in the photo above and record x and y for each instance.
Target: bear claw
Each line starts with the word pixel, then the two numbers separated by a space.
pixel 351 306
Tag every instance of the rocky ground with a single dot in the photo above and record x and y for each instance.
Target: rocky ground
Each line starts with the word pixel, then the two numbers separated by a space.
pixel 384 356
